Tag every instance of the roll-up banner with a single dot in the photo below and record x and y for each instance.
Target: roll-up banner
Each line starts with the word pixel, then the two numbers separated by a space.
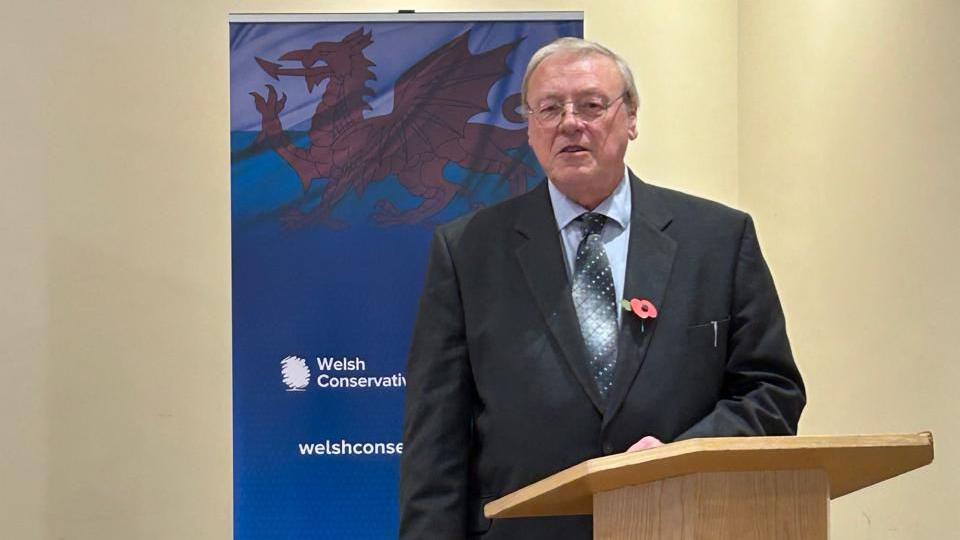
pixel 352 137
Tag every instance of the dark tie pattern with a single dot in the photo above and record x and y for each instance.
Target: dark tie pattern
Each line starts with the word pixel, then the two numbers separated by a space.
pixel 595 300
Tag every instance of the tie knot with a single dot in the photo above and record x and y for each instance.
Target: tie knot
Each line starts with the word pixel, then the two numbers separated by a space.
pixel 592 223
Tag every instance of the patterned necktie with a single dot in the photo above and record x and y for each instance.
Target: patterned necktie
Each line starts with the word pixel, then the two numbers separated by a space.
pixel 595 301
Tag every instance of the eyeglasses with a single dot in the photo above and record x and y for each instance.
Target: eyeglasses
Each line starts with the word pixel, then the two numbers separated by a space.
pixel 550 113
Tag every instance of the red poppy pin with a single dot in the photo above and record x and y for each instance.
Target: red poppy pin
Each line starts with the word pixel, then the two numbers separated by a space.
pixel 641 307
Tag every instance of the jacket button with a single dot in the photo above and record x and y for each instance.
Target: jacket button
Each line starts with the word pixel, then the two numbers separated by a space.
pixel 607 448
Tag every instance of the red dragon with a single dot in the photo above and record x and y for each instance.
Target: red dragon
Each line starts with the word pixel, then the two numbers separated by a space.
pixel 427 129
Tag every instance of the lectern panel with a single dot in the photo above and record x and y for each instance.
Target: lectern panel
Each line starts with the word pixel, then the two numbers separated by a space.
pixel 756 505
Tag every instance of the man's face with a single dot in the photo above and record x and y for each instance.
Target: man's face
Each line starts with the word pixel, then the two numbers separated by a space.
pixel 584 159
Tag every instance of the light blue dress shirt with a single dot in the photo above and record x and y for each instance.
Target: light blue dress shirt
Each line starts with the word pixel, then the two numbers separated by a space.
pixel 615 234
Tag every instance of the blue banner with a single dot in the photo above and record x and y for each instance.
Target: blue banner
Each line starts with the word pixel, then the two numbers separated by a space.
pixel 350 142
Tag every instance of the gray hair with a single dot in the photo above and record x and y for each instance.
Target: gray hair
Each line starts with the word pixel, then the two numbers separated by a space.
pixel 580 48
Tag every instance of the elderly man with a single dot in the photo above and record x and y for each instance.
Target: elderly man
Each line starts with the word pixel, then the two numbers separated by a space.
pixel 595 314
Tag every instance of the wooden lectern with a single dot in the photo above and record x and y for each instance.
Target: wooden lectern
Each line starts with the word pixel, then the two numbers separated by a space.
pixel 739 488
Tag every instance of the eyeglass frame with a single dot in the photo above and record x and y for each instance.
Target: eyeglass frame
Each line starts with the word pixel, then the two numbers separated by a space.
pixel 577 114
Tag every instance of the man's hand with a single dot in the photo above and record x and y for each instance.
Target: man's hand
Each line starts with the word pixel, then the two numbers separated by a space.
pixel 645 443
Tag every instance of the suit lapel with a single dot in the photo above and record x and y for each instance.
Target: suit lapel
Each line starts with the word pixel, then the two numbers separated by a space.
pixel 541 255
pixel 649 262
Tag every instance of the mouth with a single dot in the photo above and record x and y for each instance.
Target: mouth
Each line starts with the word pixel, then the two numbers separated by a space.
pixel 572 149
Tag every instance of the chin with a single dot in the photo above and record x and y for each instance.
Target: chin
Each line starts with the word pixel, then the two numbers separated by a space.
pixel 572 175
pixel 572 184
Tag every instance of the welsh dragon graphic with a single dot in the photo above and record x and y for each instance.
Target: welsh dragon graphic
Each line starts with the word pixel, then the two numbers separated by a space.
pixel 427 128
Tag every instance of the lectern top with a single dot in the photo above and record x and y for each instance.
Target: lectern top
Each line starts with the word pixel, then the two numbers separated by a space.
pixel 852 462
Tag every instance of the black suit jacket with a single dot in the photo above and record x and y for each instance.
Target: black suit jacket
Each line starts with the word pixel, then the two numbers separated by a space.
pixel 499 395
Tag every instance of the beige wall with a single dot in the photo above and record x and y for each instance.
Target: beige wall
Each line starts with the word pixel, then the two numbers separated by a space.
pixel 833 125
pixel 850 161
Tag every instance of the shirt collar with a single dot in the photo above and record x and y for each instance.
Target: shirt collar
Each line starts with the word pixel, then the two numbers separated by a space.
pixel 617 206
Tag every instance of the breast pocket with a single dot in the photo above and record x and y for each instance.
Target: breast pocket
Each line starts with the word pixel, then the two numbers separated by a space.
pixel 709 340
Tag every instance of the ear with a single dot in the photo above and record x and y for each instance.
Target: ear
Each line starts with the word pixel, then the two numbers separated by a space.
pixel 632 124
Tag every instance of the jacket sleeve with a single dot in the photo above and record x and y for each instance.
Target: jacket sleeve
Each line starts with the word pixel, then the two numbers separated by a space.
pixel 439 401
pixel 762 392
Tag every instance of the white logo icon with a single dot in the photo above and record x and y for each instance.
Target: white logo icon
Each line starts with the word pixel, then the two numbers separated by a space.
pixel 296 373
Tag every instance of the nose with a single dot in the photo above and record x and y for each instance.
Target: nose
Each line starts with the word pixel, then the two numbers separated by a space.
pixel 570 122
